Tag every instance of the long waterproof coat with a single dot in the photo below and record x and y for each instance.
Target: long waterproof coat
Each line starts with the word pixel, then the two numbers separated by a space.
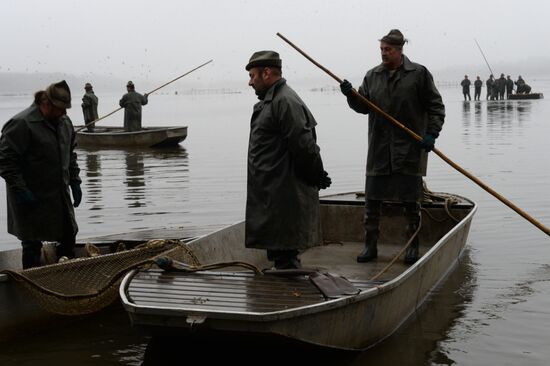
pixel 38 155
pixel 284 166
pixel 410 96
pixel 89 107
pixel 132 102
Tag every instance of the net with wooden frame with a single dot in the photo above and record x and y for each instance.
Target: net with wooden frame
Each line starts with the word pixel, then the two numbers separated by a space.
pixel 86 285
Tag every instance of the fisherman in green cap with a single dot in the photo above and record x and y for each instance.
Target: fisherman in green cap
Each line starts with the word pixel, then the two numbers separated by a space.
pixel 132 102
pixel 89 107
pixel 396 162
pixel 38 162
pixel 285 170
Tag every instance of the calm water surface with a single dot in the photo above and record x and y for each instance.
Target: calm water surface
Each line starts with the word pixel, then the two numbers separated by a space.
pixel 494 308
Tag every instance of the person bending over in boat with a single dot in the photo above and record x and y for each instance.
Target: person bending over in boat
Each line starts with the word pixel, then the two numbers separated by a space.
pixel 132 102
pixel 89 107
pixel 395 161
pixel 38 162
pixel 285 169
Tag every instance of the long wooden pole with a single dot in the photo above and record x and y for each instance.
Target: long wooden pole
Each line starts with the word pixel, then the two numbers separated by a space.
pixel 151 92
pixel 418 138
pixel 485 58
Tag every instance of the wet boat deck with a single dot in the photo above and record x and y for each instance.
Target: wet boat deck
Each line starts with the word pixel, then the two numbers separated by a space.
pixel 244 292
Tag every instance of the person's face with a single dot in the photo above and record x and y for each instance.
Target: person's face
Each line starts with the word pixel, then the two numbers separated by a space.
pixel 51 112
pixel 391 55
pixel 258 77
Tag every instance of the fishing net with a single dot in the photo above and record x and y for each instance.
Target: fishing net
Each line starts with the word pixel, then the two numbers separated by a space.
pixel 86 285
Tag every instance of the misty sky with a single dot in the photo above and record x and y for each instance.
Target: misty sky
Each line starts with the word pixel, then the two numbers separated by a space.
pixel 158 40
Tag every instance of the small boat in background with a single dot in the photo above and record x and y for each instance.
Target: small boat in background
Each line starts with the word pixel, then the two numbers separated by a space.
pixel 526 96
pixel 146 137
pixel 332 302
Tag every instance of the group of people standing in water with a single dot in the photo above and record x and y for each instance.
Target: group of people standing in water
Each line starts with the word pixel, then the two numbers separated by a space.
pixel 497 89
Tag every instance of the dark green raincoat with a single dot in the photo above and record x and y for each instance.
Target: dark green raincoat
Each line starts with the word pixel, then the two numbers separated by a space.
pixel 410 96
pixel 284 166
pixel 39 156
pixel 89 106
pixel 132 102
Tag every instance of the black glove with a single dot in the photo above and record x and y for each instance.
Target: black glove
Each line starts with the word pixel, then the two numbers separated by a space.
pixel 346 88
pixel 77 194
pixel 26 197
pixel 325 181
pixel 428 142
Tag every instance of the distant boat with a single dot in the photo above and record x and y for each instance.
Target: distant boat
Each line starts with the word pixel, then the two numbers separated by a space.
pixel 353 312
pixel 146 137
pixel 526 96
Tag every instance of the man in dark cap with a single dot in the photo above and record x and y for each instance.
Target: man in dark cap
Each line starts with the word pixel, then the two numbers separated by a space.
pixel 39 165
pixel 132 102
pixel 396 162
pixel 466 87
pixel 89 107
pixel 285 170
pixel 477 88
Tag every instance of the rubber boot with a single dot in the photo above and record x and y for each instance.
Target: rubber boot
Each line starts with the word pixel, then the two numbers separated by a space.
pixel 413 213
pixel 411 254
pixel 372 232
pixel 31 253
pixel 370 252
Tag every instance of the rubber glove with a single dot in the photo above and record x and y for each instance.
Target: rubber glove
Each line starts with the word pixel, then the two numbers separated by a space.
pixel 346 88
pixel 325 181
pixel 428 142
pixel 77 194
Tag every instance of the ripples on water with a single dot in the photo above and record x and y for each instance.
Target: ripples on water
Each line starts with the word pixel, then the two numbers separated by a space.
pixel 493 309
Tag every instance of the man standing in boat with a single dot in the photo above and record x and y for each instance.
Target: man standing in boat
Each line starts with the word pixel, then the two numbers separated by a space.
pixel 396 162
pixel 89 107
pixel 38 162
pixel 132 102
pixel 285 170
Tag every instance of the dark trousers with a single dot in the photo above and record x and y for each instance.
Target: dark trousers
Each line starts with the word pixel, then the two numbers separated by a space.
pixel 477 93
pixel 371 219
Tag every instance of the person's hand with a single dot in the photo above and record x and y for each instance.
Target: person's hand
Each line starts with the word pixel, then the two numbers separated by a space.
pixel 77 194
pixel 325 181
pixel 26 197
pixel 428 142
pixel 145 95
pixel 346 88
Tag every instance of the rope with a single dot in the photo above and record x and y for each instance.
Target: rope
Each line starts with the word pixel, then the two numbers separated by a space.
pixel 399 253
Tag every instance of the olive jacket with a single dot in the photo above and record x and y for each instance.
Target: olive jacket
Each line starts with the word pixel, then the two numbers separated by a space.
pixel 411 97
pixel 132 102
pixel 284 167
pixel 38 155
pixel 89 106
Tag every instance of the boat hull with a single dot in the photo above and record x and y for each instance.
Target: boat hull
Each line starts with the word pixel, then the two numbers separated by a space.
pixel 350 322
pixel 526 96
pixel 147 137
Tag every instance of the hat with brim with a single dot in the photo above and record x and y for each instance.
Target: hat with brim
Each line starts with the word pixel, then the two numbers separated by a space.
pixel 394 37
pixel 264 58
pixel 59 94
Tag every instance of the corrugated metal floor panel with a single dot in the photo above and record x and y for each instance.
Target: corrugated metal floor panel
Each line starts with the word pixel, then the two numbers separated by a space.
pixel 223 291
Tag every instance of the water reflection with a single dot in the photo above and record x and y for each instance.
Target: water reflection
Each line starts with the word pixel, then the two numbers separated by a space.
pixel 151 178
pixel 135 180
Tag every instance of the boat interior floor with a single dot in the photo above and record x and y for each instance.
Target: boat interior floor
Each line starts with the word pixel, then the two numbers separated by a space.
pixel 240 291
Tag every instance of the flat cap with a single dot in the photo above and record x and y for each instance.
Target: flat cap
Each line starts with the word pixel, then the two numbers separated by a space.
pixel 130 84
pixel 394 37
pixel 264 58
pixel 59 94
